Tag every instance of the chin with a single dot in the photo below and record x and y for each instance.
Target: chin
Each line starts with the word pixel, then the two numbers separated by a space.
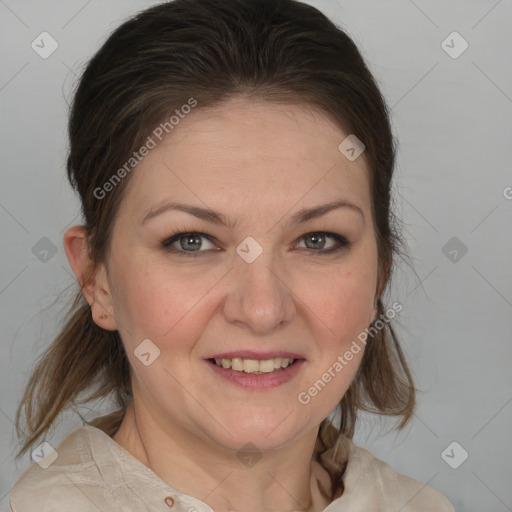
pixel 266 435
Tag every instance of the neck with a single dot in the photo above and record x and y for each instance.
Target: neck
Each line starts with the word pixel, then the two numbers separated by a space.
pixel 285 479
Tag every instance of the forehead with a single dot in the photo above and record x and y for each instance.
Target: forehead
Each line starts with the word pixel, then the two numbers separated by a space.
pixel 249 151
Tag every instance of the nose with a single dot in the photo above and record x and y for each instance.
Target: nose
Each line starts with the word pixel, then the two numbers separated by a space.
pixel 259 298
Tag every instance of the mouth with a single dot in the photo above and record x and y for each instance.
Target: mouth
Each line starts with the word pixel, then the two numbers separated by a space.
pixel 257 374
pixel 255 366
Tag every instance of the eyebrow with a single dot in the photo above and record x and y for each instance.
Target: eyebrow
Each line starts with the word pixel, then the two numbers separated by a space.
pixel 218 218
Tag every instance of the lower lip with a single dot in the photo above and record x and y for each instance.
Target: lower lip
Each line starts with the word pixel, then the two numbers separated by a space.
pixel 257 381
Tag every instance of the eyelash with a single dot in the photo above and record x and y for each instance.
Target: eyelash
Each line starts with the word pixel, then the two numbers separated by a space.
pixel 343 243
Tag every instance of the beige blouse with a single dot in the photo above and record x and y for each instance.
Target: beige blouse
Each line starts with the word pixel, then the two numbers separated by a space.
pixel 93 473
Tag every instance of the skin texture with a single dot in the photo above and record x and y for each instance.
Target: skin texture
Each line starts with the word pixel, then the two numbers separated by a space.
pixel 257 163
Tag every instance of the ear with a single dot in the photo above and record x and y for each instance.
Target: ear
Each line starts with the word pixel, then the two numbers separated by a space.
pixel 93 281
pixel 384 273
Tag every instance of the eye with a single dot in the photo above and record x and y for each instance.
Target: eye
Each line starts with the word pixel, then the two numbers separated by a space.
pixel 317 242
pixel 192 244
pixel 187 243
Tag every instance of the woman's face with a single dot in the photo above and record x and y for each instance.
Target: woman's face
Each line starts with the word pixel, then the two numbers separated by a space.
pixel 261 280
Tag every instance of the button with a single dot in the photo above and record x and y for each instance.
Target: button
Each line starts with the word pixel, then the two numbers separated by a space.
pixel 169 501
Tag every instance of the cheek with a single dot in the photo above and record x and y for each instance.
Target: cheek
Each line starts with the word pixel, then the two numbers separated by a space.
pixel 343 304
pixel 158 302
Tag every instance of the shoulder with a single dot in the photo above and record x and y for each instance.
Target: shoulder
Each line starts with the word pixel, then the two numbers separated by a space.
pixel 65 478
pixel 383 486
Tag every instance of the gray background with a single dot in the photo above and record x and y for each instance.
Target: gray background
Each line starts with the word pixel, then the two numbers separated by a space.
pixel 453 119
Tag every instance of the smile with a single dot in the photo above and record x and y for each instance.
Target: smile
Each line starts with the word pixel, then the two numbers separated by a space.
pixel 255 374
pixel 254 366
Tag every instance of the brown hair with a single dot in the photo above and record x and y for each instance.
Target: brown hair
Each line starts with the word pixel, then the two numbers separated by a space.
pixel 214 50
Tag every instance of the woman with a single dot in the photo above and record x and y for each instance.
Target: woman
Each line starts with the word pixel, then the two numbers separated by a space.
pixel 234 162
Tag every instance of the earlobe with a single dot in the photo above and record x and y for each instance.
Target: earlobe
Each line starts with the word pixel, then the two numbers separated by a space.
pixel 102 309
pixel 93 282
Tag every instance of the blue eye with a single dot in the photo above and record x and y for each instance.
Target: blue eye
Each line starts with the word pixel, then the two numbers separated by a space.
pixel 190 243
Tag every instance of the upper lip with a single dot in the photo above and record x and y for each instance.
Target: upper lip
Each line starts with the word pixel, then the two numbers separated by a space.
pixel 258 356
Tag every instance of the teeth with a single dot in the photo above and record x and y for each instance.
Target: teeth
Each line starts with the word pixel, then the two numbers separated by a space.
pixel 266 366
pixel 236 364
pixel 253 366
